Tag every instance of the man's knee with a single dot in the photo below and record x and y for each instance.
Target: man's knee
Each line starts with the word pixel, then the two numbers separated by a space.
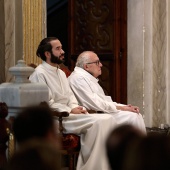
pixel 105 118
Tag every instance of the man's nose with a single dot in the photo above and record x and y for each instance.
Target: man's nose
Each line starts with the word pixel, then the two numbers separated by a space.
pixel 62 51
pixel 100 64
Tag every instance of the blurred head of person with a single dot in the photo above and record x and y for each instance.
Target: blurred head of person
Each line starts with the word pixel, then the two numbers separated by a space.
pixel 35 155
pixel 35 122
pixel 118 142
pixel 152 152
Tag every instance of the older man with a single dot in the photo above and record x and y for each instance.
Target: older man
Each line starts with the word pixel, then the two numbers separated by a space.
pixel 93 128
pixel 84 83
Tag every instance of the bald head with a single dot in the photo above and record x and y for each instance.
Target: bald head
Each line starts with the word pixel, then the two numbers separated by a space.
pixel 84 58
pixel 89 61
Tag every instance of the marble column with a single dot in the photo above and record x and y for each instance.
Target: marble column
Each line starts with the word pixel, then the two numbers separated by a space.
pixel 2 43
pixel 23 25
pixel 148 61
pixel 159 65
pixel 7 34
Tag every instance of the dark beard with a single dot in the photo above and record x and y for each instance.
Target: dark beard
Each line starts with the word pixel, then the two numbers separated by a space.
pixel 56 59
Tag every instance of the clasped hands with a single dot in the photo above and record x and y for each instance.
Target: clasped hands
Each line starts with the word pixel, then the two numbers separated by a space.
pixel 128 107
pixel 79 110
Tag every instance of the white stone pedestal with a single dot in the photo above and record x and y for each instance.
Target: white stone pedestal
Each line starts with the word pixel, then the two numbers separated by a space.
pixel 22 93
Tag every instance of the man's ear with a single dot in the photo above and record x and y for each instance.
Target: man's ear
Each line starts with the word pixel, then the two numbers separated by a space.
pixel 85 66
pixel 47 54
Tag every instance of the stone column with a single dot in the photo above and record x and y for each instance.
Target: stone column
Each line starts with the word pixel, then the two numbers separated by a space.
pixel 148 59
pixel 159 62
pixel 23 25
pixel 2 42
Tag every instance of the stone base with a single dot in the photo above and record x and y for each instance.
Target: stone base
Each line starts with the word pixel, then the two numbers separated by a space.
pixel 24 94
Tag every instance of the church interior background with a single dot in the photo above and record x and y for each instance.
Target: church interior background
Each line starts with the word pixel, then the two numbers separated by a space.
pixel 24 23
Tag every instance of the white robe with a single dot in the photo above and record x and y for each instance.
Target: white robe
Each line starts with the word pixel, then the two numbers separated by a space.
pixel 91 95
pixel 93 128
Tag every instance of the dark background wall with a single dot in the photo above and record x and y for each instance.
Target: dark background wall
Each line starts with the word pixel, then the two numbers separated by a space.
pixel 96 25
pixel 57 22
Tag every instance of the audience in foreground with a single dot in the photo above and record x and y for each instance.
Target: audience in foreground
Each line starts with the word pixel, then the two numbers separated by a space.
pixel 35 155
pixel 37 140
pixel 36 122
pixel 149 153
pixel 118 143
pixel 128 148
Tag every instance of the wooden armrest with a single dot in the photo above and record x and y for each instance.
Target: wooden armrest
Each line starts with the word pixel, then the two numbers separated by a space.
pixel 60 114
pixel 100 111
pixel 91 111
pixel 94 111
pixel 55 113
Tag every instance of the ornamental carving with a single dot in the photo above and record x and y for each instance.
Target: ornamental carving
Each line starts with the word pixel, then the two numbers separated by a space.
pixel 93 23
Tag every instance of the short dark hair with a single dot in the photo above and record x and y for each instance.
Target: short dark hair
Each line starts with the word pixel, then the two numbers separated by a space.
pixel 33 122
pixel 44 46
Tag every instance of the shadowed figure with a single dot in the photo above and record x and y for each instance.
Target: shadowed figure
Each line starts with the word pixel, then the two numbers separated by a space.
pixel 150 153
pixel 35 122
pixel 35 155
pixel 118 142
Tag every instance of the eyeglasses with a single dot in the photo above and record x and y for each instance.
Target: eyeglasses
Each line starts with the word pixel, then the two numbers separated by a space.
pixel 97 62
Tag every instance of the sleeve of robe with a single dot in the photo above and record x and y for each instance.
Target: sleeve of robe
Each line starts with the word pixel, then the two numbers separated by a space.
pixel 72 103
pixel 83 90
